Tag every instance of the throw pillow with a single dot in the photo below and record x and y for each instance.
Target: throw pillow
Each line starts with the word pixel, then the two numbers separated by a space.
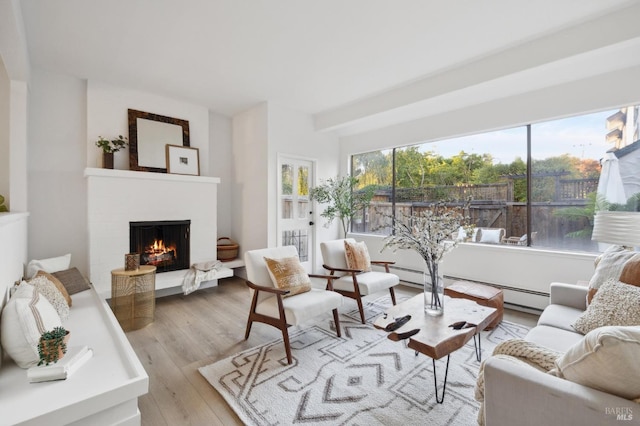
pixel 490 236
pixel 615 303
pixel 288 274
pixel 52 264
pixel 58 285
pixel 51 293
pixel 609 265
pixel 605 359
pixel 25 317
pixel 631 271
pixel 72 280
pixel 357 256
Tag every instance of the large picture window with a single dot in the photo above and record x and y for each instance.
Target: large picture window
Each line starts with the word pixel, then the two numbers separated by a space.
pixel 533 185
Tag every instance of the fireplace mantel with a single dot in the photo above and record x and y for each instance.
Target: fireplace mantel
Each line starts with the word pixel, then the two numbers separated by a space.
pixel 129 174
pixel 117 197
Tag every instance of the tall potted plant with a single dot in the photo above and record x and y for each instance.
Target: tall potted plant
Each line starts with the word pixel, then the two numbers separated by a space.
pixel 343 201
pixel 109 147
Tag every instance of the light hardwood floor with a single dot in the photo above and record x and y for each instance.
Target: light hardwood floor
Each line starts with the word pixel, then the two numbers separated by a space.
pixel 199 329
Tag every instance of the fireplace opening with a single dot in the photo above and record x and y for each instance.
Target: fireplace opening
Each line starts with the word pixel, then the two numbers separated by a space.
pixel 163 244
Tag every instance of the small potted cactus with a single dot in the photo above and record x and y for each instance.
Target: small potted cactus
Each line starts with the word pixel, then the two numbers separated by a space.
pixel 52 345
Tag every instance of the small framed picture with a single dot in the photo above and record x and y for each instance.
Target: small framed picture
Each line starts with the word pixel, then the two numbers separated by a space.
pixel 183 160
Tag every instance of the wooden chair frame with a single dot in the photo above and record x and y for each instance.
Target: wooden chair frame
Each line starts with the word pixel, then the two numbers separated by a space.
pixel 355 294
pixel 281 322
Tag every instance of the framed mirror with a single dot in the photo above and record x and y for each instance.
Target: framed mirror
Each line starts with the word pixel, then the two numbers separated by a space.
pixel 148 136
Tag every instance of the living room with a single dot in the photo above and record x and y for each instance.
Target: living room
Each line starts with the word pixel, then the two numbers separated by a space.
pixel 485 68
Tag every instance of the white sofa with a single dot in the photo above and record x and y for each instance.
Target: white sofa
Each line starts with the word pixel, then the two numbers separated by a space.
pixel 518 394
pixel 104 391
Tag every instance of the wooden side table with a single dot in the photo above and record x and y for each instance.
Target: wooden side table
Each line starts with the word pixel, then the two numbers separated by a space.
pixel 133 296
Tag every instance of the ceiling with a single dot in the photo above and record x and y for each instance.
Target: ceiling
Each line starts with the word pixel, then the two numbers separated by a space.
pixel 311 56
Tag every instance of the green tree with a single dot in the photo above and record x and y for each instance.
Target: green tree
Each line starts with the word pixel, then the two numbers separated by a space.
pixel 342 201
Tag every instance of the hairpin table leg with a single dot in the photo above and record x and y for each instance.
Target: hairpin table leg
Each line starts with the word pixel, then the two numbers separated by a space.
pixel 435 380
pixel 478 346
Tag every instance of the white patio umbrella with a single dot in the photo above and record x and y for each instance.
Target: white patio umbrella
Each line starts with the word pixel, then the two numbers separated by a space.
pixel 610 185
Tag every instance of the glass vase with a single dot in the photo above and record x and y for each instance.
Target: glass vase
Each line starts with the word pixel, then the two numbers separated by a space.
pixel 433 291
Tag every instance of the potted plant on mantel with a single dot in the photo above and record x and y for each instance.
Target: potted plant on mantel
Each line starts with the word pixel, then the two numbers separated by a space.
pixel 109 147
pixel 52 345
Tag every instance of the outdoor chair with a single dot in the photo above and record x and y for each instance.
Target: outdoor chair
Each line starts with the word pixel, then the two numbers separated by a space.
pixel 278 298
pixel 357 280
pixel 519 241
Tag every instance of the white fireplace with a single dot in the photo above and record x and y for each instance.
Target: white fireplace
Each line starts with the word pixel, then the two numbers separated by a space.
pixel 117 197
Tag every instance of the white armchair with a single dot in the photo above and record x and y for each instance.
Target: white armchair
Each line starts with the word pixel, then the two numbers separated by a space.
pixel 355 283
pixel 274 306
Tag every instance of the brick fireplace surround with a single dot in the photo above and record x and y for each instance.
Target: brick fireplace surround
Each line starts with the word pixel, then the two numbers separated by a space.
pixel 117 197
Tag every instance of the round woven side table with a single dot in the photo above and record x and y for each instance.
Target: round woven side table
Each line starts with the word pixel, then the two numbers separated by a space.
pixel 133 296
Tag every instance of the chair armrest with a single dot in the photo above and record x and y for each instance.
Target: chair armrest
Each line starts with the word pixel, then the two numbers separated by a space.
pixel 543 399
pixel 571 295
pixel 383 262
pixel 273 290
pixel 329 279
pixel 329 268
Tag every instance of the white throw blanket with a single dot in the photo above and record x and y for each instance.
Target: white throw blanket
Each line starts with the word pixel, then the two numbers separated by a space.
pixel 199 272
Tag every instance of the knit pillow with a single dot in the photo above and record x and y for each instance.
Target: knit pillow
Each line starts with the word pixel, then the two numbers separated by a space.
pixel 609 265
pixel 615 303
pixel 25 317
pixel 605 359
pixel 288 274
pixel 58 285
pixel 357 256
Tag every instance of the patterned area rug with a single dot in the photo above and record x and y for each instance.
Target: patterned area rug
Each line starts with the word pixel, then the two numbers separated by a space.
pixel 362 378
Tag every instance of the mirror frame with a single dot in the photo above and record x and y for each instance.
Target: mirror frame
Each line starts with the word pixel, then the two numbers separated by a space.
pixel 134 142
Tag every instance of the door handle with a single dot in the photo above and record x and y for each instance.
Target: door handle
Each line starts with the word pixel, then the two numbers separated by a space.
pixel 311 223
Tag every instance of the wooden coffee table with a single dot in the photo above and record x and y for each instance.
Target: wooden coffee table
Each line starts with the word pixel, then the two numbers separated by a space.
pixel 436 337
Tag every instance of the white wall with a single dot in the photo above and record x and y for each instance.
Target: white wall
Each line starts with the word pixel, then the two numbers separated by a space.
pixel 249 183
pixel 220 155
pixel 4 131
pixel 292 133
pixel 107 116
pixel 13 251
pixel 259 136
pixel 57 159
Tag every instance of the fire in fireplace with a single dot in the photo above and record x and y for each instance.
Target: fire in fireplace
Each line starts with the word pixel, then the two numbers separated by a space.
pixel 163 244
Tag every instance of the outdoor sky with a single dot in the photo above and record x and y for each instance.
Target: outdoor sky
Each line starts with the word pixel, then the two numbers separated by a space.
pixel 582 137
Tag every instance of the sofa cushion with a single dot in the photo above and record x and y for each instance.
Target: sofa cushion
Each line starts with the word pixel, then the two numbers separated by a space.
pixel 368 282
pixel 25 317
pixel 52 264
pixel 560 316
pixel 615 303
pixel 288 274
pixel 357 255
pixel 605 359
pixel 609 265
pixel 553 338
pixel 303 307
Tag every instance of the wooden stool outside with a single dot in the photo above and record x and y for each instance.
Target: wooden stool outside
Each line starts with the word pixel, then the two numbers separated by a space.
pixel 481 294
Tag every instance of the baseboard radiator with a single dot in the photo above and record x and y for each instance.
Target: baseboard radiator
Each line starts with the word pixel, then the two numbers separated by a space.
pixel 515 298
